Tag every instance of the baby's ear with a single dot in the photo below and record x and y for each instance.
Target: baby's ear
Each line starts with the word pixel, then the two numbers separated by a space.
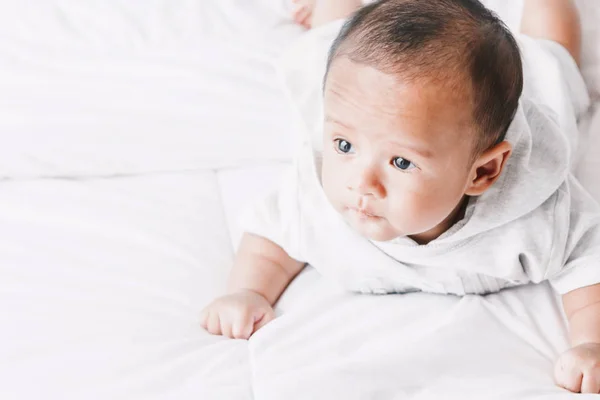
pixel 487 168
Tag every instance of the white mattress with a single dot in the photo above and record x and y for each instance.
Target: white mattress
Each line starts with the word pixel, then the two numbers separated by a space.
pixel 107 257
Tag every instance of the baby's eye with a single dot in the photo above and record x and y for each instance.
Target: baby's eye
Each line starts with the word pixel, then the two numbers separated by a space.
pixel 402 164
pixel 343 146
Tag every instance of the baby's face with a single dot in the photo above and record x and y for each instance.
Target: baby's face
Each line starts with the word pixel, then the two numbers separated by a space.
pixel 397 156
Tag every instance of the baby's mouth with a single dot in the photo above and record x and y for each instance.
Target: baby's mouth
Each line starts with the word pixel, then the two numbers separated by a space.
pixel 362 213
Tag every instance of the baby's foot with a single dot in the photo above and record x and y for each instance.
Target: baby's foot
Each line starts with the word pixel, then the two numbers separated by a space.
pixel 303 12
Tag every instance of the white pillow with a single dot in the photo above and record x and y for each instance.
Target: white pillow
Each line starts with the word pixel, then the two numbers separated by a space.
pixel 123 87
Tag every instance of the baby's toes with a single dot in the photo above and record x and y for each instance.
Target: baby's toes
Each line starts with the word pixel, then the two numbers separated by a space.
pixel 303 3
pixel 302 16
pixel 300 13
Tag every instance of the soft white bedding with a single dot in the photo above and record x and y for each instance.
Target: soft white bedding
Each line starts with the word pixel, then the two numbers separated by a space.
pixel 134 105
pixel 101 285
pixel 416 346
pixel 102 88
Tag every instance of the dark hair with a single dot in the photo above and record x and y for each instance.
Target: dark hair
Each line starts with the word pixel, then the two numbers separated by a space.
pixel 454 42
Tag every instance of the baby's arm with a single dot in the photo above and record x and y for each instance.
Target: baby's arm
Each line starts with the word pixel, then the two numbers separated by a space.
pixel 582 307
pixel 261 272
pixel 263 267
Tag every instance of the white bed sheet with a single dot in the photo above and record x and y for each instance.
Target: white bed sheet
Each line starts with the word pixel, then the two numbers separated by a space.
pixel 415 346
pixel 102 283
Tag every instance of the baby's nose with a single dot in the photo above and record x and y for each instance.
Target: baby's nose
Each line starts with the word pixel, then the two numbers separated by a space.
pixel 367 183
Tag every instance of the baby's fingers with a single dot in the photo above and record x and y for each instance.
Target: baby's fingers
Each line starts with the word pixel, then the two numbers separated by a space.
pixel 226 328
pixel 567 375
pixel 204 318
pixel 591 381
pixel 213 324
pixel 266 318
pixel 243 326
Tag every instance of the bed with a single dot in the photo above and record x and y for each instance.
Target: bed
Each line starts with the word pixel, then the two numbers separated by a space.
pixel 133 135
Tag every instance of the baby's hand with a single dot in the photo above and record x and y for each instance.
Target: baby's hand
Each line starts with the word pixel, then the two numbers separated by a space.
pixel 237 315
pixel 303 12
pixel 578 369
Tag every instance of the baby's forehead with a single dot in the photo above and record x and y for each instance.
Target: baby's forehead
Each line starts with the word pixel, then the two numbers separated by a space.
pixel 449 81
pixel 362 88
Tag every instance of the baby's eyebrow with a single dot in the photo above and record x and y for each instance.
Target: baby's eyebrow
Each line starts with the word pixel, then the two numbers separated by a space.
pixel 417 150
pixel 330 119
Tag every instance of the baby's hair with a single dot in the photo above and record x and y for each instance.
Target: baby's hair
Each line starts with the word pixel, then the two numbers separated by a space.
pixel 456 43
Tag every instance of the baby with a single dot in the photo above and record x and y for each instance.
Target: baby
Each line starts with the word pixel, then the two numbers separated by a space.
pixel 435 174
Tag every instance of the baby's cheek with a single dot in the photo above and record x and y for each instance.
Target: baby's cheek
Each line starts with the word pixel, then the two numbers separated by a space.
pixel 413 212
pixel 331 186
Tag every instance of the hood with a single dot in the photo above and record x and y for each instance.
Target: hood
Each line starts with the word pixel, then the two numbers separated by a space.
pixel 538 165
